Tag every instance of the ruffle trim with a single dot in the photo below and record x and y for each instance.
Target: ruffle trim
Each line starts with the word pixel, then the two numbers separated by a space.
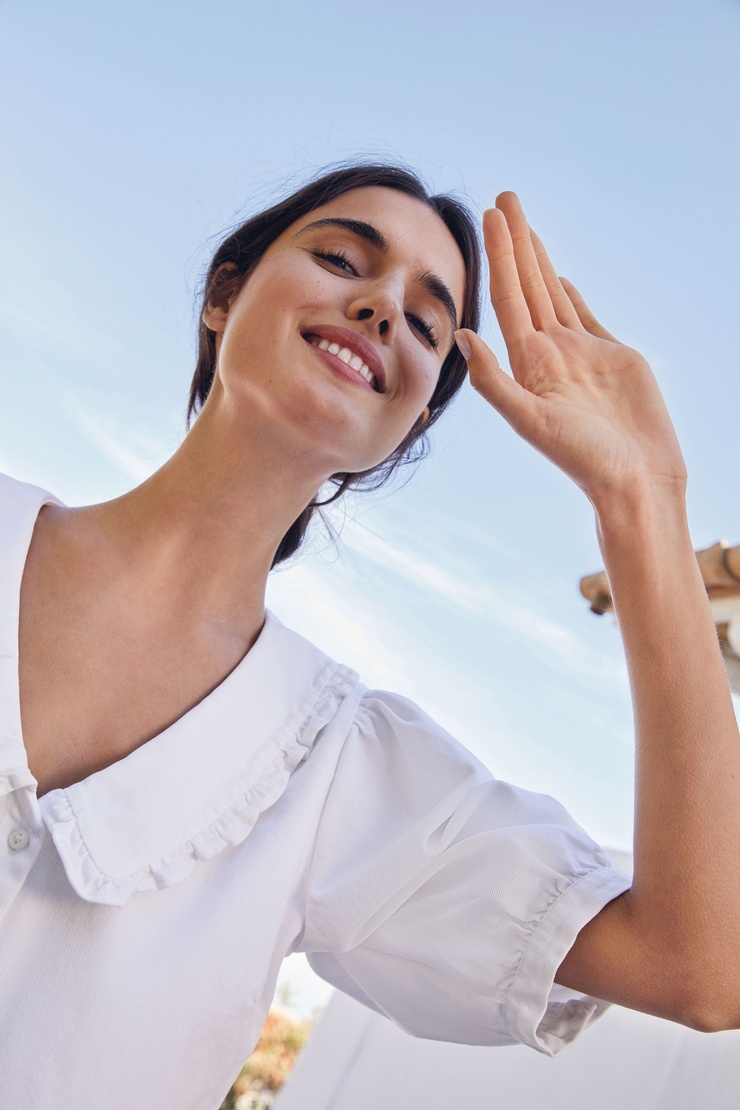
pixel 232 826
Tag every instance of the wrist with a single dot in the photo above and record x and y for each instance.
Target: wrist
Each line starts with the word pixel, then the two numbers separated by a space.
pixel 645 542
pixel 641 506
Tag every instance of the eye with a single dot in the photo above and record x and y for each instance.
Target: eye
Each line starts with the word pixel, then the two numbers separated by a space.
pixel 425 330
pixel 337 258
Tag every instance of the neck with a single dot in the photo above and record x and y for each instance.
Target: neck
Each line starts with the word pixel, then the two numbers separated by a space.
pixel 202 532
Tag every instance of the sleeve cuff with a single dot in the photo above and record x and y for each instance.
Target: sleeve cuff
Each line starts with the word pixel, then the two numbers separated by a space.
pixel 540 1013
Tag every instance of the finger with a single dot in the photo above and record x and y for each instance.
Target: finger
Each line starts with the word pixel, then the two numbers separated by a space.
pixel 507 297
pixel 530 276
pixel 515 403
pixel 561 302
pixel 585 315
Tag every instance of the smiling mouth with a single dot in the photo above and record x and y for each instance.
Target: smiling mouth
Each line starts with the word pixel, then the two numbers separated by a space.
pixel 349 358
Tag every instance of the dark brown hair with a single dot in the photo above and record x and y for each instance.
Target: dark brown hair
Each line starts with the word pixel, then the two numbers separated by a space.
pixel 244 248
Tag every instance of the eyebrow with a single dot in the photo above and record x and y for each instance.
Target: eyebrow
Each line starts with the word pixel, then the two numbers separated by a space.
pixel 363 230
pixel 437 288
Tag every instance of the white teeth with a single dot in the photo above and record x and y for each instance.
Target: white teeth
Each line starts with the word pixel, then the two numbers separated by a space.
pixel 347 357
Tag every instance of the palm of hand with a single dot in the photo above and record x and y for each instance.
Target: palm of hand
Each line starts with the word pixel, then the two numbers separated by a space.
pixel 587 402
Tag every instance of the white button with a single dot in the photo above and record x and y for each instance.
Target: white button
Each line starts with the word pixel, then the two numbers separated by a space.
pixel 18 839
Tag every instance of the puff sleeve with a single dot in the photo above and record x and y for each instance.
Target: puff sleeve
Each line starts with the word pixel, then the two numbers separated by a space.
pixel 445 898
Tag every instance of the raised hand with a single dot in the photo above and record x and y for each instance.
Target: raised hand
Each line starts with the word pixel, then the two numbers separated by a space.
pixel 586 401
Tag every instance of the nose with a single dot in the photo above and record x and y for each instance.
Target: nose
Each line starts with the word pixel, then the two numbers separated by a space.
pixel 368 313
pixel 380 307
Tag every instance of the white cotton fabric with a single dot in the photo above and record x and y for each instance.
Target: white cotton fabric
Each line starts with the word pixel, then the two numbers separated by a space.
pixel 143 923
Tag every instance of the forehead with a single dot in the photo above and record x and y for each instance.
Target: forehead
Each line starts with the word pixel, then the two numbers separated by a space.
pixel 415 233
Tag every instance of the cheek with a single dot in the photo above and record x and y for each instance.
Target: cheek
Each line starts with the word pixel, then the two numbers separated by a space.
pixel 425 378
pixel 277 299
pixel 293 285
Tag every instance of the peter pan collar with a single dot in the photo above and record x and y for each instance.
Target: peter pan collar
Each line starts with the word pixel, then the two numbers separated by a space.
pixel 143 823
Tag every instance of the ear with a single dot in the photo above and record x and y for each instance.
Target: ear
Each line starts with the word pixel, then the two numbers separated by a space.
pixel 425 415
pixel 221 292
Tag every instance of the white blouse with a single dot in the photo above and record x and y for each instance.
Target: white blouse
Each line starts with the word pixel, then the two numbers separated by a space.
pixel 145 910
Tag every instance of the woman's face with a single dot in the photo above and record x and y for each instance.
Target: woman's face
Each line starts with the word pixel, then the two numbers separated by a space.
pixel 374 277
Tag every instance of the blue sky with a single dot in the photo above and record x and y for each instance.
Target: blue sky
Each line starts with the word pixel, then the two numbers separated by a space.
pixel 133 135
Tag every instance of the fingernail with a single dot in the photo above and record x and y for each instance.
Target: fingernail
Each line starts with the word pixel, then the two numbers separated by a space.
pixel 464 344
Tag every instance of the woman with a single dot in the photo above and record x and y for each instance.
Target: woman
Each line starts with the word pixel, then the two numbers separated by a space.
pixel 198 791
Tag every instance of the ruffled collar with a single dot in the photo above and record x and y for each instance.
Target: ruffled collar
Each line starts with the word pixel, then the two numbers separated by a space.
pixel 143 822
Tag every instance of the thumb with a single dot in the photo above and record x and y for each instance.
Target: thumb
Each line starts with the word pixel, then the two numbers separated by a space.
pixel 514 402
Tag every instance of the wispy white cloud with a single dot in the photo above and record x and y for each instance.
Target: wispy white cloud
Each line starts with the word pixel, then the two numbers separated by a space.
pixel 468 595
pixel 58 330
pixel 135 453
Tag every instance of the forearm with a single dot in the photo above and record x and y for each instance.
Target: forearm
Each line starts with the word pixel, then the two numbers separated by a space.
pixel 685 899
pixel 671 945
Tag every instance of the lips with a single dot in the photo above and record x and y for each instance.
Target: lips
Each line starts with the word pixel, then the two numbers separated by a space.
pixel 357 344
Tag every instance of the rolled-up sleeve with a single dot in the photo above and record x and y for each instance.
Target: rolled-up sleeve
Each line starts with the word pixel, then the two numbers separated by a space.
pixel 445 898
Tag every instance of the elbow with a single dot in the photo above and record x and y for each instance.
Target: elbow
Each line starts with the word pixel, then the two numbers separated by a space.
pixel 710 1014
pixel 703 993
pixel 710 1021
